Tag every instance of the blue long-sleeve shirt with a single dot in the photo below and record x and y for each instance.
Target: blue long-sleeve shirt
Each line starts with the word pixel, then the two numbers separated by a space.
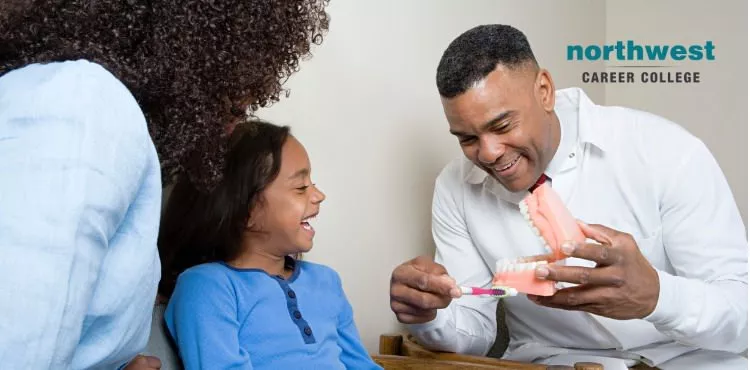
pixel 227 318
pixel 80 198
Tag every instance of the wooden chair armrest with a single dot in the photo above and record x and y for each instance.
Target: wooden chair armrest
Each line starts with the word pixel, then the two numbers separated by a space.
pixel 396 348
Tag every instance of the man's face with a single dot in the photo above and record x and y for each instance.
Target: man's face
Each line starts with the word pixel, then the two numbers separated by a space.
pixel 506 124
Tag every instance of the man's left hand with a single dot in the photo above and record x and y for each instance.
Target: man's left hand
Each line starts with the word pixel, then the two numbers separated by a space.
pixel 623 285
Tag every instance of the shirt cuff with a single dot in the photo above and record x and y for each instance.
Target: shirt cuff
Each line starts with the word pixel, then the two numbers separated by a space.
pixel 668 304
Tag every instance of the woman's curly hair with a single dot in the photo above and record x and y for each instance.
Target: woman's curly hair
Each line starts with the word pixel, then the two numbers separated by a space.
pixel 194 66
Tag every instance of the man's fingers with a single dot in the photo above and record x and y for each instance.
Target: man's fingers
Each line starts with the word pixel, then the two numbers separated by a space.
pixel 144 362
pixel 426 264
pixel 573 298
pixel 413 319
pixel 402 308
pixel 426 282
pixel 154 362
pixel 603 255
pixel 598 232
pixel 579 275
pixel 419 299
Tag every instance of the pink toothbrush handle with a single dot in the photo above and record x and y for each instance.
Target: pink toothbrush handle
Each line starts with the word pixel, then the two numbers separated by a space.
pixel 495 292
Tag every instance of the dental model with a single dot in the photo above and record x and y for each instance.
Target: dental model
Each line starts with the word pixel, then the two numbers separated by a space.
pixel 554 224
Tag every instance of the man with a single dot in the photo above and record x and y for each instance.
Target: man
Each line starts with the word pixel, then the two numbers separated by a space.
pixel 664 279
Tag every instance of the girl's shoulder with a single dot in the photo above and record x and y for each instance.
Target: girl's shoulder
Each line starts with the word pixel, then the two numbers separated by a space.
pixel 319 271
pixel 315 267
pixel 211 273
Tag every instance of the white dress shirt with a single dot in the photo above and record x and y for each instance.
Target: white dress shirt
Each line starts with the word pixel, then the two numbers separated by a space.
pixel 80 201
pixel 626 169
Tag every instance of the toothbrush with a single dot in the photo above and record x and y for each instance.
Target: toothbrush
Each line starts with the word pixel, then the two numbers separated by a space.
pixel 497 292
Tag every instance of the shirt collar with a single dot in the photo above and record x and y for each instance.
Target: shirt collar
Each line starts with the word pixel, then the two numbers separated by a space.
pixel 576 112
pixel 591 129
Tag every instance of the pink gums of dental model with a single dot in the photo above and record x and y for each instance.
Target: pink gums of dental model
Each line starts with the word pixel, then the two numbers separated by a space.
pixel 554 224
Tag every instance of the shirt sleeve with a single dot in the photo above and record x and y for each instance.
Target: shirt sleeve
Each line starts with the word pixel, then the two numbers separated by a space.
pixel 73 147
pixel 704 303
pixel 202 319
pixel 353 353
pixel 467 325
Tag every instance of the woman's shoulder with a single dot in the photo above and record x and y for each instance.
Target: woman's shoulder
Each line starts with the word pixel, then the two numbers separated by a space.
pixel 69 89
pixel 63 75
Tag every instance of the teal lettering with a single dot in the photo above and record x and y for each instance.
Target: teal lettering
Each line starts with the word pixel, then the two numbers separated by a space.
pixel 655 52
pixel 696 52
pixel 577 49
pixel 678 52
pixel 593 52
pixel 630 50
pixel 620 51
pixel 633 47
pixel 608 49
pixel 709 50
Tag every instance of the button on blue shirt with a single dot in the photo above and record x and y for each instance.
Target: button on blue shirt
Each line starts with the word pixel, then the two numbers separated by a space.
pixel 80 198
pixel 227 318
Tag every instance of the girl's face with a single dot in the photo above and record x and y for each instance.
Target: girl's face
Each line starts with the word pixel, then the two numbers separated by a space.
pixel 288 204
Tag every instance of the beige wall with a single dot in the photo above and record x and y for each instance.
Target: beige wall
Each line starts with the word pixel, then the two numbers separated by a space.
pixel 715 110
pixel 366 108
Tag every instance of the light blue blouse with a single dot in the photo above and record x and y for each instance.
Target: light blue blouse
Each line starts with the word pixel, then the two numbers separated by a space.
pixel 80 197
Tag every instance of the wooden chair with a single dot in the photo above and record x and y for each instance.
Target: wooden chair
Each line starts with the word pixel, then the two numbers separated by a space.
pixel 401 352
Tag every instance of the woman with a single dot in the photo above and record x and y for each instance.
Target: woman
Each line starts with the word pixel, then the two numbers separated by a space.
pixel 101 104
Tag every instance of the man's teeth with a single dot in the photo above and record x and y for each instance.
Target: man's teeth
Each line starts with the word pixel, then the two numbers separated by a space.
pixel 506 265
pixel 509 165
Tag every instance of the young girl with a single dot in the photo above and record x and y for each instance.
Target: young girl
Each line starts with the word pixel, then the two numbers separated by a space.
pixel 243 301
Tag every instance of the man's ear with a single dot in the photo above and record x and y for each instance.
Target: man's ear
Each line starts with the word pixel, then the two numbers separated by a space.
pixel 545 90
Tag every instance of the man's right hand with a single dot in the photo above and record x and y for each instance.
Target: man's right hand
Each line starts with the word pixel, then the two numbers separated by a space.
pixel 419 288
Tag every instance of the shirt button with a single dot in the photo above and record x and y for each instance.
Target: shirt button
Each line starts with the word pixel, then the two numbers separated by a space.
pixel 297 315
pixel 291 294
pixel 571 155
pixel 308 331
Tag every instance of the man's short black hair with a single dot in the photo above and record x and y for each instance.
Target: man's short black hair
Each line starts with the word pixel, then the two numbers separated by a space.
pixel 477 52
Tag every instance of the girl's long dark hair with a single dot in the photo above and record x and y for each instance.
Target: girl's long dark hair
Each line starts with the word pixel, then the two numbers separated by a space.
pixel 198 226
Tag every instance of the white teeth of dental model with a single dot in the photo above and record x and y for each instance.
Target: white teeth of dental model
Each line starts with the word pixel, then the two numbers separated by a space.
pixel 501 264
pixel 536 231
pixel 506 265
pixel 524 210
